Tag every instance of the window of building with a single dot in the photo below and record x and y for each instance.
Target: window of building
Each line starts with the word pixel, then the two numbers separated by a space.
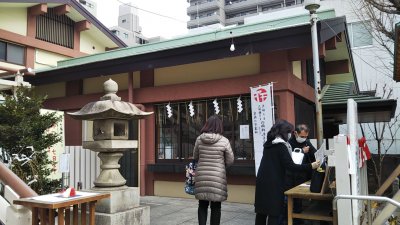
pixel 125 35
pixel 116 32
pixel 175 136
pixel 359 34
pixel 56 29
pixel 123 20
pixel 12 53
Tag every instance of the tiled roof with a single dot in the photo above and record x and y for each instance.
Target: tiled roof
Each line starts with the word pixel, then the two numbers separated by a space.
pixel 339 93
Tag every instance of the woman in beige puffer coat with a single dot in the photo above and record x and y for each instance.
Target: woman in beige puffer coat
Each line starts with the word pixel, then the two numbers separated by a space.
pixel 213 153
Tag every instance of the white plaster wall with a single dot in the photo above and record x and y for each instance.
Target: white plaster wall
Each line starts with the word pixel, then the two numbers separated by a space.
pixel 90 45
pixel 17 24
pixel 45 59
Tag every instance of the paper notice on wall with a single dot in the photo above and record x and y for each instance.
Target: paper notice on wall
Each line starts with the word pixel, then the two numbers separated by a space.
pixel 244 132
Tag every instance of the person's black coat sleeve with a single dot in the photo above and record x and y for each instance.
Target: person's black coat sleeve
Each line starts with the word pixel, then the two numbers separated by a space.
pixel 287 161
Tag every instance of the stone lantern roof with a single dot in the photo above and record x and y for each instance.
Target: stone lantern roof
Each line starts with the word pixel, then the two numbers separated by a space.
pixel 109 106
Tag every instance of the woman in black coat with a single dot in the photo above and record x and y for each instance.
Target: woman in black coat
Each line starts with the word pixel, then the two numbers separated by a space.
pixel 270 181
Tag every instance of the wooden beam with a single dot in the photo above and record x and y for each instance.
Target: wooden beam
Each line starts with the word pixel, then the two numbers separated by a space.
pixel 337 67
pixel 388 181
pixel 330 44
pixel 35 43
pixel 38 9
pixel 62 9
pixel 305 53
pixel 82 25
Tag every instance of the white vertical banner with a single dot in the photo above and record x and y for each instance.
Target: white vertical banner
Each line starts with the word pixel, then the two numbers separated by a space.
pixel 57 149
pixel 262 117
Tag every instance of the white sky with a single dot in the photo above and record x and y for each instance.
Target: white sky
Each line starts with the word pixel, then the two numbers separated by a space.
pixel 152 25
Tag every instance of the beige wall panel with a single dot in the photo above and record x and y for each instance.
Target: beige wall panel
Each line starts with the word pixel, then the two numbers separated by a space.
pixel 136 80
pixel 95 84
pixel 17 24
pixel 241 193
pixel 236 193
pixel 54 90
pixel 296 65
pixel 338 78
pixel 90 45
pixel 45 59
pixel 208 70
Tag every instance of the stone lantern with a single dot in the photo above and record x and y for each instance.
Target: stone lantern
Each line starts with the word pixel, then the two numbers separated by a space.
pixel 110 118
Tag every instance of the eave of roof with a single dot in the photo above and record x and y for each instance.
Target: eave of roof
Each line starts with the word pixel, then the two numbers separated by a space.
pixel 280 34
pixel 78 7
pixel 335 96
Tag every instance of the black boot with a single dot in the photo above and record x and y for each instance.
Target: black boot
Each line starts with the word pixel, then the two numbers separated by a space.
pixel 202 212
pixel 215 213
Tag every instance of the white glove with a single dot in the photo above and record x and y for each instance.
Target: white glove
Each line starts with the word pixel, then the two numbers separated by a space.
pixel 315 165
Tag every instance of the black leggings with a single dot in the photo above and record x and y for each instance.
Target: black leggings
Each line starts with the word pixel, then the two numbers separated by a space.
pixel 262 219
pixel 215 212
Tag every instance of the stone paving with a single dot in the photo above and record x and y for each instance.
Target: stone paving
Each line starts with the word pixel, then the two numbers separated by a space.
pixel 173 211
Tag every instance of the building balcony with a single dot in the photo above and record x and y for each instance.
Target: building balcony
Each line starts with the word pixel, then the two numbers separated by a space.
pixel 237 19
pixel 207 6
pixel 206 20
pixel 246 5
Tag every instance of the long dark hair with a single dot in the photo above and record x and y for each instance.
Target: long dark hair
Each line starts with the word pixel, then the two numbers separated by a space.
pixel 213 125
pixel 281 128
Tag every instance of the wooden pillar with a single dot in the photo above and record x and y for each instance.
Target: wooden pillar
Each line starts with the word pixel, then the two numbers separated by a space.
pixel 147 152
pixel 130 87
pixel 286 106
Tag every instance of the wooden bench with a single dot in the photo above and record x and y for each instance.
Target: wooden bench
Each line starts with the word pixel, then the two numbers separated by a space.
pixel 45 207
pixel 316 211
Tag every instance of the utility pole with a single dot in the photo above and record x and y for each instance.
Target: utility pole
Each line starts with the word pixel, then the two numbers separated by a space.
pixel 312 6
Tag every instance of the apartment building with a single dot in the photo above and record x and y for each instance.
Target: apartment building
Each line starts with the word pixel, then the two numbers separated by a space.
pixel 128 29
pixel 230 12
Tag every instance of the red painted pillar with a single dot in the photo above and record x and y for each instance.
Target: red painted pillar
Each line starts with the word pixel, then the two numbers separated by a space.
pixel 147 152
pixel 286 106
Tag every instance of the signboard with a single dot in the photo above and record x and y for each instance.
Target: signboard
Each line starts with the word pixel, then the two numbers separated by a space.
pixel 262 117
pixel 56 150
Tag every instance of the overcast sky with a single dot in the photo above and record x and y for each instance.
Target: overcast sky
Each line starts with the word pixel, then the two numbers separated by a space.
pixel 152 25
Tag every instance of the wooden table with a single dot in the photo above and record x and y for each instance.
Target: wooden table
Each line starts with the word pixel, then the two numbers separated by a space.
pixel 315 211
pixel 45 206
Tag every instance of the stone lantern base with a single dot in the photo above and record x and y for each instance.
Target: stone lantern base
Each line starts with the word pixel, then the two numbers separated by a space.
pixel 121 208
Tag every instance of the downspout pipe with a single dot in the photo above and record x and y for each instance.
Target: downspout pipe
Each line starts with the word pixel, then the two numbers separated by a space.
pixel 19 186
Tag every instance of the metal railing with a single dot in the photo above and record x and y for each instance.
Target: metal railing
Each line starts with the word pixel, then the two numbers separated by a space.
pixel 368 198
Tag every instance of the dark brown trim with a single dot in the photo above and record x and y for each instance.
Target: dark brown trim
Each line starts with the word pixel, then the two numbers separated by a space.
pixel 30 57
pixel 73 88
pixel 30 41
pixel 147 78
pixel 305 53
pixel 337 67
pixel 331 44
pixel 82 25
pixel 62 9
pixel 38 9
pixel 130 87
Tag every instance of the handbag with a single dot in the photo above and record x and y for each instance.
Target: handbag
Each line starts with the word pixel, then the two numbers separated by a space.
pixel 190 177
pixel 317 179
pixel 297 156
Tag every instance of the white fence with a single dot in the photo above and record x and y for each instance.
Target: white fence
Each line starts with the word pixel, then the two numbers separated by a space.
pixel 84 166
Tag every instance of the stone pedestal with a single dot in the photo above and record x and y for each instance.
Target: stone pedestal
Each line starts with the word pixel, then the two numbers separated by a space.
pixel 121 208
